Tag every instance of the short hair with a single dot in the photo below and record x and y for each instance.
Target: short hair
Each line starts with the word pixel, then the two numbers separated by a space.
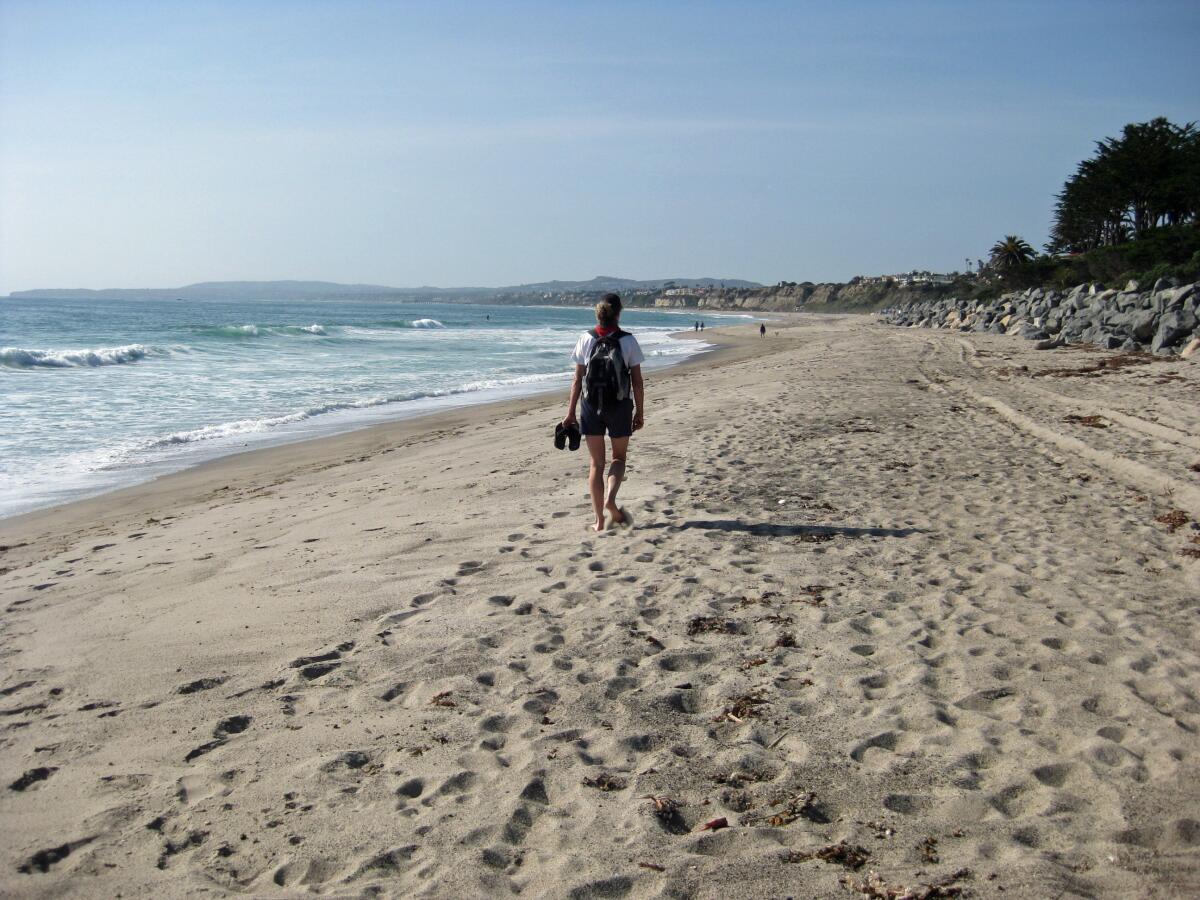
pixel 608 310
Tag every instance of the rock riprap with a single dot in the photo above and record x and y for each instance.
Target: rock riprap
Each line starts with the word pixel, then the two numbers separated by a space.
pixel 1163 320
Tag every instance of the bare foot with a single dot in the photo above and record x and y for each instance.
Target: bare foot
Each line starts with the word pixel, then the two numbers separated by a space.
pixel 598 525
pixel 616 514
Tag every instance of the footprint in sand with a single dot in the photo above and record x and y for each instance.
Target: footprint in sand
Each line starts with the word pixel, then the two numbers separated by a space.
pixel 411 789
pixel 396 690
pixel 888 740
pixel 202 684
pixel 313 667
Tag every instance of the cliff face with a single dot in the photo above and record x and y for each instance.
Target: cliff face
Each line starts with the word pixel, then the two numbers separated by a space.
pixel 826 297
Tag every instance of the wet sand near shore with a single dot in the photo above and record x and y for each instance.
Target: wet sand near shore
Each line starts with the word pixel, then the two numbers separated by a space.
pixel 900 609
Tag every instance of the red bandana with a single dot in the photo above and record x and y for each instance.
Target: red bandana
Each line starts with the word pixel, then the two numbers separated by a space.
pixel 601 331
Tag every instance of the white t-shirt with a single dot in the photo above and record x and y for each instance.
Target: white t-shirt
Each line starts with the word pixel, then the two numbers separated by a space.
pixel 630 351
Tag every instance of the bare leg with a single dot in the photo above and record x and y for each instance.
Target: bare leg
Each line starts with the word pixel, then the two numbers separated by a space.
pixel 595 445
pixel 616 474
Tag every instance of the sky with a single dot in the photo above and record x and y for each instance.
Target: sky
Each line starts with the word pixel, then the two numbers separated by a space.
pixel 158 144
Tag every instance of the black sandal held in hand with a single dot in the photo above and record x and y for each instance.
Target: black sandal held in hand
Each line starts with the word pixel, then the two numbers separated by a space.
pixel 567 437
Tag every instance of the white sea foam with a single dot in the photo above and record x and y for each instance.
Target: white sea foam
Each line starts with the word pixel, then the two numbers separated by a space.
pixel 490 383
pixel 313 329
pixel 267 423
pixel 253 426
pixel 20 358
pixel 427 323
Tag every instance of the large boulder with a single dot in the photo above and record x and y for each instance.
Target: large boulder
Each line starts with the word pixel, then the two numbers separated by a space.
pixel 1173 326
pixel 1033 333
pixel 1095 334
pixel 1074 328
pixel 1142 325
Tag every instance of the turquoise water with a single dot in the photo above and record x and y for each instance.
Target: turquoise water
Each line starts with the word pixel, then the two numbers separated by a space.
pixel 98 394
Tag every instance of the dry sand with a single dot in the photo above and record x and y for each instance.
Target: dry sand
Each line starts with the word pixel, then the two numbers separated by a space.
pixel 881 589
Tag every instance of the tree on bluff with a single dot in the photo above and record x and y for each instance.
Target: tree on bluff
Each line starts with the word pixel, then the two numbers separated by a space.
pixel 1146 178
pixel 1010 253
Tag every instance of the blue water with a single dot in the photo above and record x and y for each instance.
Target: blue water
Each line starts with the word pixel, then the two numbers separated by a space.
pixel 98 394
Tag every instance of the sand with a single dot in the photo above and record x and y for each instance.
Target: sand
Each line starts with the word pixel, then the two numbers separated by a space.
pixel 889 600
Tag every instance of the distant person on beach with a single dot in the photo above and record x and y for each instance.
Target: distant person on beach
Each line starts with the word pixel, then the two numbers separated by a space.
pixel 608 383
pixel 695 326
pixel 762 331
pixel 701 324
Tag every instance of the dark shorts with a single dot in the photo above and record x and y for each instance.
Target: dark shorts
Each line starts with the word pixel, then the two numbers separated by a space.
pixel 617 420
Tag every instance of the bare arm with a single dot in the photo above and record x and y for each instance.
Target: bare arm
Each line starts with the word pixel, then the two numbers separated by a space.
pixel 639 397
pixel 576 390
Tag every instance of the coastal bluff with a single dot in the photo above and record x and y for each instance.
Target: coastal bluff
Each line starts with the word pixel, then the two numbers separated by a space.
pixel 805 295
pixel 1164 321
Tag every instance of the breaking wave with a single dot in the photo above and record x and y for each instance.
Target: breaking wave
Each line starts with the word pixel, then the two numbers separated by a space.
pixel 255 426
pixel 20 358
pixel 252 426
pixel 232 331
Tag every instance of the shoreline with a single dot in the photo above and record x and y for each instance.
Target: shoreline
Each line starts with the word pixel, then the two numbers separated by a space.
pixel 429 416
pixel 200 477
pixel 126 449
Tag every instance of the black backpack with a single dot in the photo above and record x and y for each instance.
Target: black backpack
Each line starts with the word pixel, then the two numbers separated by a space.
pixel 606 378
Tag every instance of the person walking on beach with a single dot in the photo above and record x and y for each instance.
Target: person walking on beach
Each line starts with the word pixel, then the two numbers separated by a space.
pixel 608 391
pixel 762 331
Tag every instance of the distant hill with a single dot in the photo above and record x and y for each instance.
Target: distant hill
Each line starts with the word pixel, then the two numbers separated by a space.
pixel 328 290
pixel 243 290
pixel 612 283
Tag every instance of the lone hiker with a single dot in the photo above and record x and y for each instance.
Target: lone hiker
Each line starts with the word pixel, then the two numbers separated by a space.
pixel 762 330
pixel 608 379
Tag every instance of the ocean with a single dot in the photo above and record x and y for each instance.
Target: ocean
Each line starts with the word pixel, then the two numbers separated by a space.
pixel 100 394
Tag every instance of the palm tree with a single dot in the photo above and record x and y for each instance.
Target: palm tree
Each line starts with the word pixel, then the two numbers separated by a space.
pixel 1010 253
